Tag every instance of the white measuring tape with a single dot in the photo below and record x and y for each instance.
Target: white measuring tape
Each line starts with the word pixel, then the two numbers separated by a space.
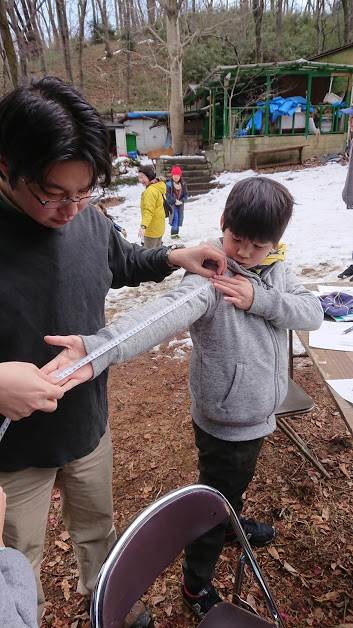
pixel 111 344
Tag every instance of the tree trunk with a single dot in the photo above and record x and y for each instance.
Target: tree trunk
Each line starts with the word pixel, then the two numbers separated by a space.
pixel 20 39
pixel 82 7
pixel 151 11
pixel 116 15
pixel 258 10
pixel 175 53
pixel 105 24
pixel 52 24
pixel 347 20
pixel 279 30
pixel 64 34
pixel 8 44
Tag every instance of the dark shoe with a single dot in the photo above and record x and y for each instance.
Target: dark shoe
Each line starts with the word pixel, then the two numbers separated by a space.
pixel 258 534
pixel 138 617
pixel 348 272
pixel 203 601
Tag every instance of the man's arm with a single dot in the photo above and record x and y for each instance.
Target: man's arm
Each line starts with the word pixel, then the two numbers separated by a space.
pixel 132 264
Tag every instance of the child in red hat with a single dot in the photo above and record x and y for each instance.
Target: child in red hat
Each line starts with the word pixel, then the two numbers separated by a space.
pixel 177 194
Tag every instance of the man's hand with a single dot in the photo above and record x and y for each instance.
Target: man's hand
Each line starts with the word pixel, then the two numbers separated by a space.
pixel 237 290
pixel 2 514
pixel 73 352
pixel 141 233
pixel 24 389
pixel 192 259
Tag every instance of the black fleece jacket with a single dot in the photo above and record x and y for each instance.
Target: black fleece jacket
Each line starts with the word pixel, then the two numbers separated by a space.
pixel 54 281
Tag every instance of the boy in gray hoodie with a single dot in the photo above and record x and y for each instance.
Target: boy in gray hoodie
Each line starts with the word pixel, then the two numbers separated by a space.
pixel 239 363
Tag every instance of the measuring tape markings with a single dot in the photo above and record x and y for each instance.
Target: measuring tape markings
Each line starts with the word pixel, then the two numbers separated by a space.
pixel 114 342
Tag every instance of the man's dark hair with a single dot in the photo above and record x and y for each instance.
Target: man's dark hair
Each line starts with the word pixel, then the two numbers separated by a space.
pixel 47 122
pixel 259 209
pixel 148 171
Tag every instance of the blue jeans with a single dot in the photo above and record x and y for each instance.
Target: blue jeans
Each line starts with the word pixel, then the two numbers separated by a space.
pixel 177 220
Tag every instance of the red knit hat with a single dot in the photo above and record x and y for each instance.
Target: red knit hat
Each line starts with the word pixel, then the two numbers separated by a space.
pixel 176 170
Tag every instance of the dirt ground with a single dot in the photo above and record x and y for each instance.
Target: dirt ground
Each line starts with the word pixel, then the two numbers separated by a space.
pixel 309 566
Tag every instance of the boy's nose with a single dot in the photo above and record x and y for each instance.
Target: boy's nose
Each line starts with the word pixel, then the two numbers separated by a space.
pixel 244 250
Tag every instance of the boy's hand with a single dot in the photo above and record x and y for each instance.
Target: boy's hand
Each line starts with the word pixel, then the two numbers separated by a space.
pixel 2 514
pixel 73 352
pixel 237 290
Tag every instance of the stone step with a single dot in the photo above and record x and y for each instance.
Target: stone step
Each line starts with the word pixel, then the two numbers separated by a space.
pixel 188 174
pixel 199 188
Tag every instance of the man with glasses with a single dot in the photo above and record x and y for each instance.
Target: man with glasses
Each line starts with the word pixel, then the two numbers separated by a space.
pixel 59 256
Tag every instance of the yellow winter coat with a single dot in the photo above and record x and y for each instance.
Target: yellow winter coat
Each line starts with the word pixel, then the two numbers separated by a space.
pixel 152 209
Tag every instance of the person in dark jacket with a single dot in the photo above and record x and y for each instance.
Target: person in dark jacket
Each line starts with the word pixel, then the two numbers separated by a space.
pixel 59 257
pixel 347 196
pixel 177 194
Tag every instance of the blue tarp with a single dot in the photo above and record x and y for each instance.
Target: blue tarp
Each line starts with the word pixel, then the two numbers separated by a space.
pixel 158 115
pixel 283 107
pixel 278 107
pixel 348 111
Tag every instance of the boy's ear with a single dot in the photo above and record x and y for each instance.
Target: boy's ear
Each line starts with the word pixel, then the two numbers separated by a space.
pixel 222 221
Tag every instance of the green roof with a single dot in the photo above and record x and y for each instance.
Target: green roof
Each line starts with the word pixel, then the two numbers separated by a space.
pixel 299 66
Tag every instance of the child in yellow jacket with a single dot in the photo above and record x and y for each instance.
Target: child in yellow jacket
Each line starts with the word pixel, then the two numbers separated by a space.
pixel 152 208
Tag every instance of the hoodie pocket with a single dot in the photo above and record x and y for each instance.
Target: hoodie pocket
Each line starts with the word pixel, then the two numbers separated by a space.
pixel 245 400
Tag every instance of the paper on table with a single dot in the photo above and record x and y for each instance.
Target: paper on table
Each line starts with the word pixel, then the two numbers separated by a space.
pixel 340 288
pixel 331 336
pixel 344 387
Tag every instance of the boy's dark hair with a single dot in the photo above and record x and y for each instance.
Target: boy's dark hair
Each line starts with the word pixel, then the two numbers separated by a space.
pixel 148 171
pixel 259 209
pixel 47 122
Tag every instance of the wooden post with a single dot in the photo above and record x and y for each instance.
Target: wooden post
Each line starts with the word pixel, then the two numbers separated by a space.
pixel 267 106
pixel 308 103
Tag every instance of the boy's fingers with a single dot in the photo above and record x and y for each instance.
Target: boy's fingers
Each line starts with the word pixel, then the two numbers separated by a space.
pixel 58 341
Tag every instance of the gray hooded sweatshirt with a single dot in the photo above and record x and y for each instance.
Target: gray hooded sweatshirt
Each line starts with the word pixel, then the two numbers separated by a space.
pixel 239 362
pixel 18 591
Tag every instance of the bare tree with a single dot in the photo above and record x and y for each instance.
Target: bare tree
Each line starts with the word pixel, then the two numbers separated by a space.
pixel 64 34
pixel 19 36
pixel 52 23
pixel 82 8
pixel 279 29
pixel 8 44
pixel 347 20
pixel 105 24
pixel 30 27
pixel 258 11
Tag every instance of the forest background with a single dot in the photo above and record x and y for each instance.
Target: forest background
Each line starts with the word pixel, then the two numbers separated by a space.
pixel 141 54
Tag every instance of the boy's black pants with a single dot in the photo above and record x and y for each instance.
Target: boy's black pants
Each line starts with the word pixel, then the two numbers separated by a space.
pixel 229 467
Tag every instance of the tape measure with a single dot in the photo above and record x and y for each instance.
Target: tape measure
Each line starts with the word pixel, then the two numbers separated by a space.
pixel 114 342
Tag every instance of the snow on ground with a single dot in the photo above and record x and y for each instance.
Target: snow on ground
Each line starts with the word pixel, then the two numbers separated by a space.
pixel 319 237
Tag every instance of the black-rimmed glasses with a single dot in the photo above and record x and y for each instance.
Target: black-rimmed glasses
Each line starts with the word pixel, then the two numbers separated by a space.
pixel 94 196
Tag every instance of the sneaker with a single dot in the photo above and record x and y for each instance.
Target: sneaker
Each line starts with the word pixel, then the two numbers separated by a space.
pixel 175 236
pixel 258 534
pixel 348 272
pixel 203 601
